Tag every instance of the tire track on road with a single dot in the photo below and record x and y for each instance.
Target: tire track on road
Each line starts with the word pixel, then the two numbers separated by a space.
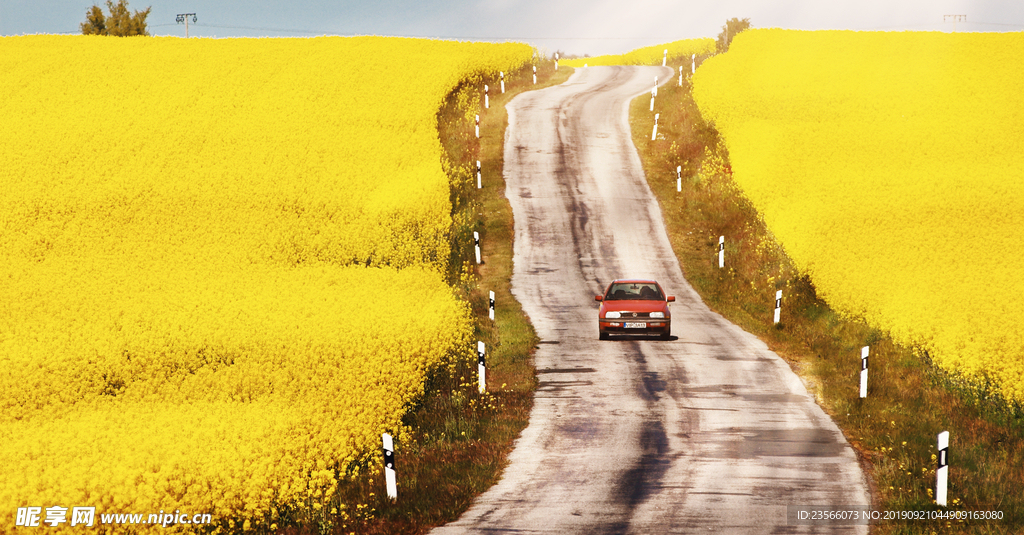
pixel 708 432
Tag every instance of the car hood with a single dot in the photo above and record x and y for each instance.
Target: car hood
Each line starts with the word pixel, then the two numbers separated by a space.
pixel 633 306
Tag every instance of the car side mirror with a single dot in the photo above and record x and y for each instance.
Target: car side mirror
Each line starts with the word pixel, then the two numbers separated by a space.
pixel 671 298
pixel 598 298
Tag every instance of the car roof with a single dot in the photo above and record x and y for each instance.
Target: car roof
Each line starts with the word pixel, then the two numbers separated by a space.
pixel 620 281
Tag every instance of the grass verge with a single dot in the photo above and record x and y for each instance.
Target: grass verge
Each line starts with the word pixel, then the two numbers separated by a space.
pixel 910 400
pixel 459 439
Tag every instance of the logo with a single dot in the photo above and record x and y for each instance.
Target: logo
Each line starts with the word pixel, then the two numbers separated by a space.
pixel 33 516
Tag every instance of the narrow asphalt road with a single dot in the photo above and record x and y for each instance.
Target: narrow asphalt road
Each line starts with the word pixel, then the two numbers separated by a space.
pixel 709 432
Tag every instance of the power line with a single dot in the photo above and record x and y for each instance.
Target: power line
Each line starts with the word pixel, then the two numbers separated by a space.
pixel 998 24
pixel 499 38
pixel 937 24
pixel 527 38
pixel 467 37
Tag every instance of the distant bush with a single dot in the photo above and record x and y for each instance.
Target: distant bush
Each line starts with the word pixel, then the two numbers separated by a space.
pixel 119 22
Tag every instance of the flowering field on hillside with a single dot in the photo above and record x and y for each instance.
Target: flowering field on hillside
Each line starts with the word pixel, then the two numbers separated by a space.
pixel 223 264
pixel 889 167
pixel 649 55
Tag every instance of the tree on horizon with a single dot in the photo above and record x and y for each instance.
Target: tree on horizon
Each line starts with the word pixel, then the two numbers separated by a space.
pixel 732 27
pixel 119 22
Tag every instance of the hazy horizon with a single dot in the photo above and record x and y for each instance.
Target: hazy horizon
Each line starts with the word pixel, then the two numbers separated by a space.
pixel 570 26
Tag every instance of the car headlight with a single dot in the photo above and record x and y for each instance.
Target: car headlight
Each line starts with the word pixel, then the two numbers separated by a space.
pixel 657 314
pixel 612 315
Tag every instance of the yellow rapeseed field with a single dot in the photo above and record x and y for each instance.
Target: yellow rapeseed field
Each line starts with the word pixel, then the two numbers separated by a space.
pixel 889 166
pixel 648 55
pixel 221 264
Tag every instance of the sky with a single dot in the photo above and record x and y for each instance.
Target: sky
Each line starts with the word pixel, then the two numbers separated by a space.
pixel 581 27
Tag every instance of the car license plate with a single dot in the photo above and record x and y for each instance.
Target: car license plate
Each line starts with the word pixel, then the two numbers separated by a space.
pixel 636 325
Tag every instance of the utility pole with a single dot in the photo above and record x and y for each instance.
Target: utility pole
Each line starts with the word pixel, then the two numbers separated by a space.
pixel 955 19
pixel 183 17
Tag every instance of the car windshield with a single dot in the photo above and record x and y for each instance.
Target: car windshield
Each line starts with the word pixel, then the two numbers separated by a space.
pixel 634 291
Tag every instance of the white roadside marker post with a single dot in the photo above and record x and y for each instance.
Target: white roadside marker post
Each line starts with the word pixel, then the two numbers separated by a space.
pixel 478 127
pixel 389 466
pixel 653 92
pixel 480 367
pixel 476 242
pixel 664 58
pixel 721 255
pixel 654 133
pixel 942 472
pixel 502 82
pixel 679 178
pixel 864 371
pixel 534 75
pixel 491 302
pixel 479 184
pixel 778 305
pixel 693 63
pixel 680 76
pixel 556 61
pixel 487 98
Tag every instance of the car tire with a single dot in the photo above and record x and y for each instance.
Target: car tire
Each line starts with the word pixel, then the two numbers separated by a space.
pixel 603 336
pixel 666 335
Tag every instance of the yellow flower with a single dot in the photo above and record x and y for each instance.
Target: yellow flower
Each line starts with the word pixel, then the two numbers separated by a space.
pixel 219 227
pixel 651 54
pixel 883 175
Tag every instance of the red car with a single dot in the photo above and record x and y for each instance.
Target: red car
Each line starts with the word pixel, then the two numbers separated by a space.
pixel 634 306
